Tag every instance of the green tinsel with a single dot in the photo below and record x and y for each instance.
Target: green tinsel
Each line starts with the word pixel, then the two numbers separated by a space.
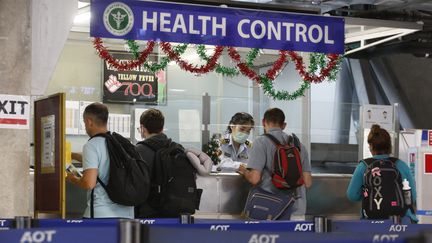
pixel 133 47
pixel 313 63
pixel 228 71
pixel 180 49
pixel 317 61
pixel 267 86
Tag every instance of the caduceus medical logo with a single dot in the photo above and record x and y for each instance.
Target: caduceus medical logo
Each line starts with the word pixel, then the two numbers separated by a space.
pixel 118 18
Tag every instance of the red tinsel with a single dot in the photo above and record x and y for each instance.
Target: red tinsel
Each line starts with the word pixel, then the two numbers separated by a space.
pixel 245 70
pixel 209 66
pixel 122 65
pixel 324 73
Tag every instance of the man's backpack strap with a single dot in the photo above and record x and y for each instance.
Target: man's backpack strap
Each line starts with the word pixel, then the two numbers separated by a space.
pixel 100 135
pixel 105 135
pixel 92 204
pixel 296 141
pixel 292 139
pixel 368 161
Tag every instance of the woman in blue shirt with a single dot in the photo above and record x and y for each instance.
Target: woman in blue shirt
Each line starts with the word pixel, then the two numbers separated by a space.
pixel 380 146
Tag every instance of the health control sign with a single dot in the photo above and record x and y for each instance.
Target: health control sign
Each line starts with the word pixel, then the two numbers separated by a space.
pixel 184 23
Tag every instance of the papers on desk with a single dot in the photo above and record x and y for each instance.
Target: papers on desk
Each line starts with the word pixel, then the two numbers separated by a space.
pixel 227 165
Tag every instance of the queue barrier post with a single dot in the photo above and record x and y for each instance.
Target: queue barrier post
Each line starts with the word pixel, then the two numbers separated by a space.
pixel 22 222
pixel 396 219
pixel 129 231
pixel 186 218
pixel 322 224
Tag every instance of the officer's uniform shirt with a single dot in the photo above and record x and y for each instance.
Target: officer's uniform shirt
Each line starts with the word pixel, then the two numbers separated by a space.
pixel 228 150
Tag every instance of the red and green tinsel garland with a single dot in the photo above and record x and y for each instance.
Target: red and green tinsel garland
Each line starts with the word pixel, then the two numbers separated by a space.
pixel 310 76
pixel 248 72
pixel 228 71
pixel 155 67
pixel 185 65
pixel 326 66
pixel 122 65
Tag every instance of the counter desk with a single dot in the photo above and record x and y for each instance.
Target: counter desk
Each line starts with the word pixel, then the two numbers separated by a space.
pixel 224 195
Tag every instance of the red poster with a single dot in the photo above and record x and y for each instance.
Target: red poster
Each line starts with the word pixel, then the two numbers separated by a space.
pixel 428 164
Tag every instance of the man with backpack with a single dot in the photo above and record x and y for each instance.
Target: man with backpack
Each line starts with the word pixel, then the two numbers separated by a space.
pixel 172 186
pixel 96 165
pixel 265 160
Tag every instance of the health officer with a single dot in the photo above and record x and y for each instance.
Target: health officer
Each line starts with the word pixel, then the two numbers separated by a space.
pixel 235 144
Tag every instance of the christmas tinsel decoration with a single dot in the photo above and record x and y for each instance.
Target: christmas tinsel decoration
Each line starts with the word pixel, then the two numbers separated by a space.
pixel 228 71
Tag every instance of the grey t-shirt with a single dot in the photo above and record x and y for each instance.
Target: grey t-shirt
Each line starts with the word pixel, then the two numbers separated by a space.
pixel 261 159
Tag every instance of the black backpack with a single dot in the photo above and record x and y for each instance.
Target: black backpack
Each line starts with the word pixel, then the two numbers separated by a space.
pixel 173 189
pixel 129 179
pixel 382 189
pixel 287 171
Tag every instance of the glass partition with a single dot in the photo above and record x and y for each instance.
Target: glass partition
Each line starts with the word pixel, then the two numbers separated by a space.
pixel 334 123
pixel 318 118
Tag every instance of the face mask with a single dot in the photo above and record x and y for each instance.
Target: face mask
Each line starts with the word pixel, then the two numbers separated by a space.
pixel 240 137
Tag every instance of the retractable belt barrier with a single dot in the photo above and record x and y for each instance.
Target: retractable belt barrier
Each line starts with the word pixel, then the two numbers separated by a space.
pixel 164 233
pixel 285 226
pixel 361 226
pixel 171 230
pixel 60 235
pixel 53 223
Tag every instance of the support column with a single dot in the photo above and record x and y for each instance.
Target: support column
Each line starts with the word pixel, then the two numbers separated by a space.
pixel 15 79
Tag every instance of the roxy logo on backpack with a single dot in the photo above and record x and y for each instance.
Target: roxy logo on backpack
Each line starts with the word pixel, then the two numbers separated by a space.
pixel 382 189
pixel 287 171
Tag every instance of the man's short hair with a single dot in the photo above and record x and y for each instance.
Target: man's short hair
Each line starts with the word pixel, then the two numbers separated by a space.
pixel 274 115
pixel 153 120
pixel 98 112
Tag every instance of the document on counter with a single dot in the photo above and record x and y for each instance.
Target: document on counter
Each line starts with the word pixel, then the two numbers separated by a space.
pixel 227 165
